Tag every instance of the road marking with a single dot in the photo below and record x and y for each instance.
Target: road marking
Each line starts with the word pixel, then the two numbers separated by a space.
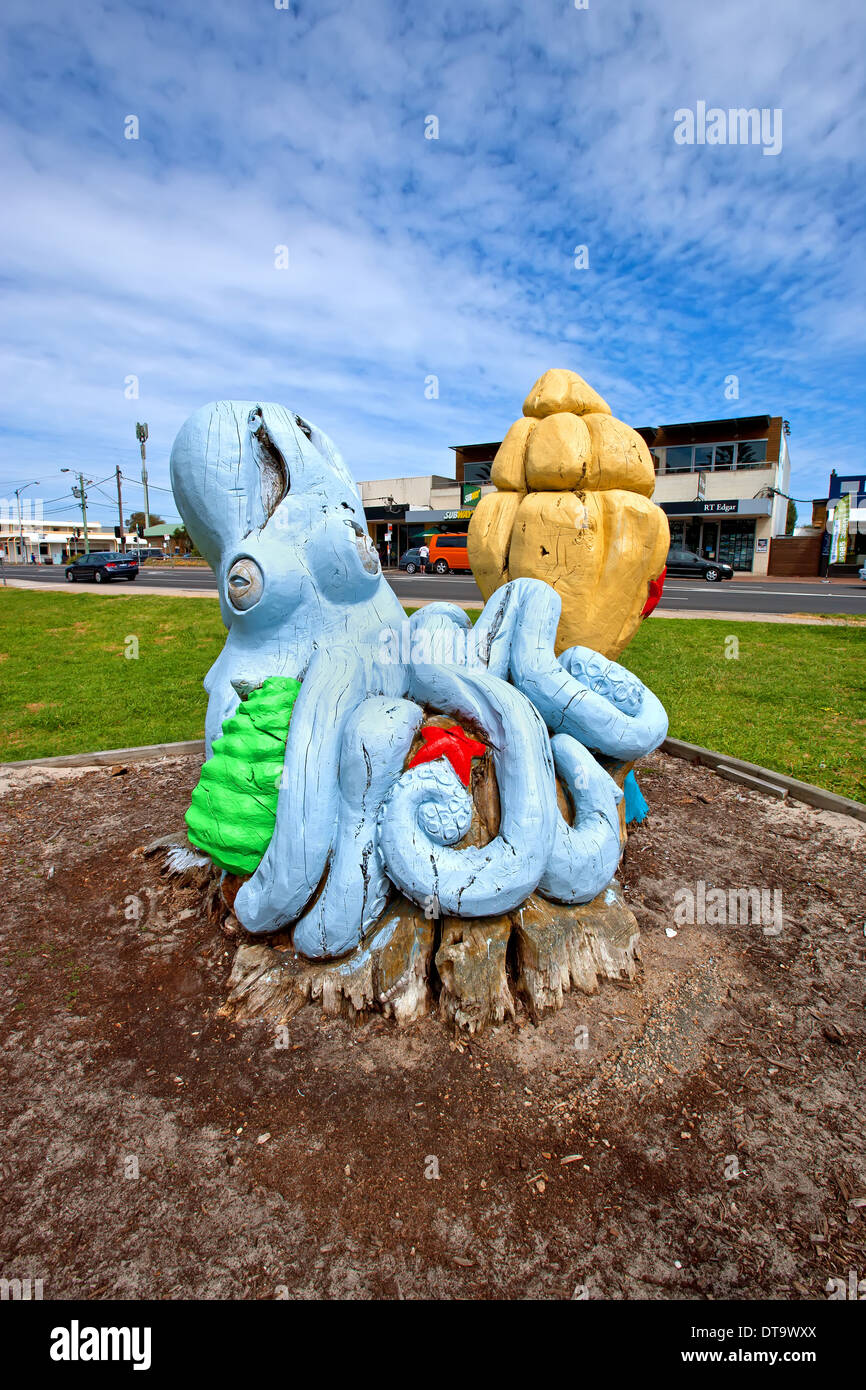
pixel 767 593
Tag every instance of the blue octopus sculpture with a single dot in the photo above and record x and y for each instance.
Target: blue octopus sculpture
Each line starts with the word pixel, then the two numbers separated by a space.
pixel 271 505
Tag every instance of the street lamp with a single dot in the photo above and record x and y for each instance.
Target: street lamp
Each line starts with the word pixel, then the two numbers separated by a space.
pixel 18 492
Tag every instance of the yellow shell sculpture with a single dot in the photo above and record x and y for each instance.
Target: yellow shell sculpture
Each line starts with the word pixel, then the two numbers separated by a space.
pixel 572 507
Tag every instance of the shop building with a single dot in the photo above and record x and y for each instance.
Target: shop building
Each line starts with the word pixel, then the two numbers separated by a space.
pixel 720 484
pixel 405 512
pixel 718 481
pixel 401 512
pixel 849 490
pixel 34 540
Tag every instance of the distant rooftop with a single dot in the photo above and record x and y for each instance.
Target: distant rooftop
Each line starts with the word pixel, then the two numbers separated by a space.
pixel 698 431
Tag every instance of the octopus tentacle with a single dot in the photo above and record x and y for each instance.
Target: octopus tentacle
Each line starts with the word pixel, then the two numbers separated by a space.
pixel 475 882
pixel 604 677
pixel 334 685
pixel 494 630
pixel 376 742
pixel 441 632
pixel 584 857
pixel 569 706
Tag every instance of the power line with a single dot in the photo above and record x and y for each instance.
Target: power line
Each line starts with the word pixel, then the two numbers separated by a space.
pixel 777 492
pixel 136 482
pixel 103 493
pixel 48 501
pixel 33 481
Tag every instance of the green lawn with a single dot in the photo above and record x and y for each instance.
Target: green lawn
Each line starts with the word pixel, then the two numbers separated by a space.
pixel 793 698
pixel 66 685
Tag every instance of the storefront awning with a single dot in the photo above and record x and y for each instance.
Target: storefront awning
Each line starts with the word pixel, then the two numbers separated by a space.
pixel 396 512
pixel 165 528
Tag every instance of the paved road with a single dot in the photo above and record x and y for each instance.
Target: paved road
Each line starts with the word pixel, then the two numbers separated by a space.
pixel 766 596
pixel 736 596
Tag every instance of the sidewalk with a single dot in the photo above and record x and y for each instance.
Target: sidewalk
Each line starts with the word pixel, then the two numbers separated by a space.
pixel 840 579
pixel 107 590
pixel 733 615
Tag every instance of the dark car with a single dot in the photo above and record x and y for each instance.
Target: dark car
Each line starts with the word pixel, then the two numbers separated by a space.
pixel 102 566
pixel 687 563
pixel 147 554
pixel 411 561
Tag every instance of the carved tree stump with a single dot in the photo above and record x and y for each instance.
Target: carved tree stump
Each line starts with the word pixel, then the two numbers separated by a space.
pixel 388 974
pixel 473 971
pixel 472 966
pixel 562 948
pixel 536 954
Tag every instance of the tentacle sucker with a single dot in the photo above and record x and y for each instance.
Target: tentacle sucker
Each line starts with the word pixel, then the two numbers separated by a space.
pixel 569 706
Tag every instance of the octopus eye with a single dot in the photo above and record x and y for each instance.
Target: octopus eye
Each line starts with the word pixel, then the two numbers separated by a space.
pixel 245 584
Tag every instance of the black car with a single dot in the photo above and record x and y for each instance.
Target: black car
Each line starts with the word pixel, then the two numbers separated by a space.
pixel 102 566
pixel 687 563
pixel 411 561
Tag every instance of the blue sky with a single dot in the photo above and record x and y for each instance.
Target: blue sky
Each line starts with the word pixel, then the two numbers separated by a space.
pixel 411 257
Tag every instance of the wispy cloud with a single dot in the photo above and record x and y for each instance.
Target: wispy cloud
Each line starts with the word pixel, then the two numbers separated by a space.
pixel 258 127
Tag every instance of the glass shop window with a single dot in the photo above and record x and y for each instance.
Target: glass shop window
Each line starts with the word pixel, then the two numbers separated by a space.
pixel 703 456
pixel 737 544
pixel 477 472
pixel 724 456
pixel 751 452
pixel 679 459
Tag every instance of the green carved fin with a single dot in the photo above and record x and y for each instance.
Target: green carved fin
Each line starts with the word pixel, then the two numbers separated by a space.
pixel 233 808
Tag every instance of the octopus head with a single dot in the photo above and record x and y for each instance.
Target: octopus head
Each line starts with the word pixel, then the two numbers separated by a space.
pixel 271 505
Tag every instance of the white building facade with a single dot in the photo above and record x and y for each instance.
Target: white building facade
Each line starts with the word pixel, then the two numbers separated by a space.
pixel 721 484
pixel 31 539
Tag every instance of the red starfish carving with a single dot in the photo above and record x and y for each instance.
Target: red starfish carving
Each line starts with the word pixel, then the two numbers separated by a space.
pixel 451 743
pixel 654 593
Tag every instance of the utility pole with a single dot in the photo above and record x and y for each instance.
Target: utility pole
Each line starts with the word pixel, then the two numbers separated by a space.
pixel 141 436
pixel 81 494
pixel 120 511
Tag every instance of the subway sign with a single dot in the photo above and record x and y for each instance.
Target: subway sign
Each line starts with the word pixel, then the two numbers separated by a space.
pixel 471 494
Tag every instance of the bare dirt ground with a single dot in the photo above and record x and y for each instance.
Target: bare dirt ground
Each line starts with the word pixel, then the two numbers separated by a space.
pixel 698 1135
